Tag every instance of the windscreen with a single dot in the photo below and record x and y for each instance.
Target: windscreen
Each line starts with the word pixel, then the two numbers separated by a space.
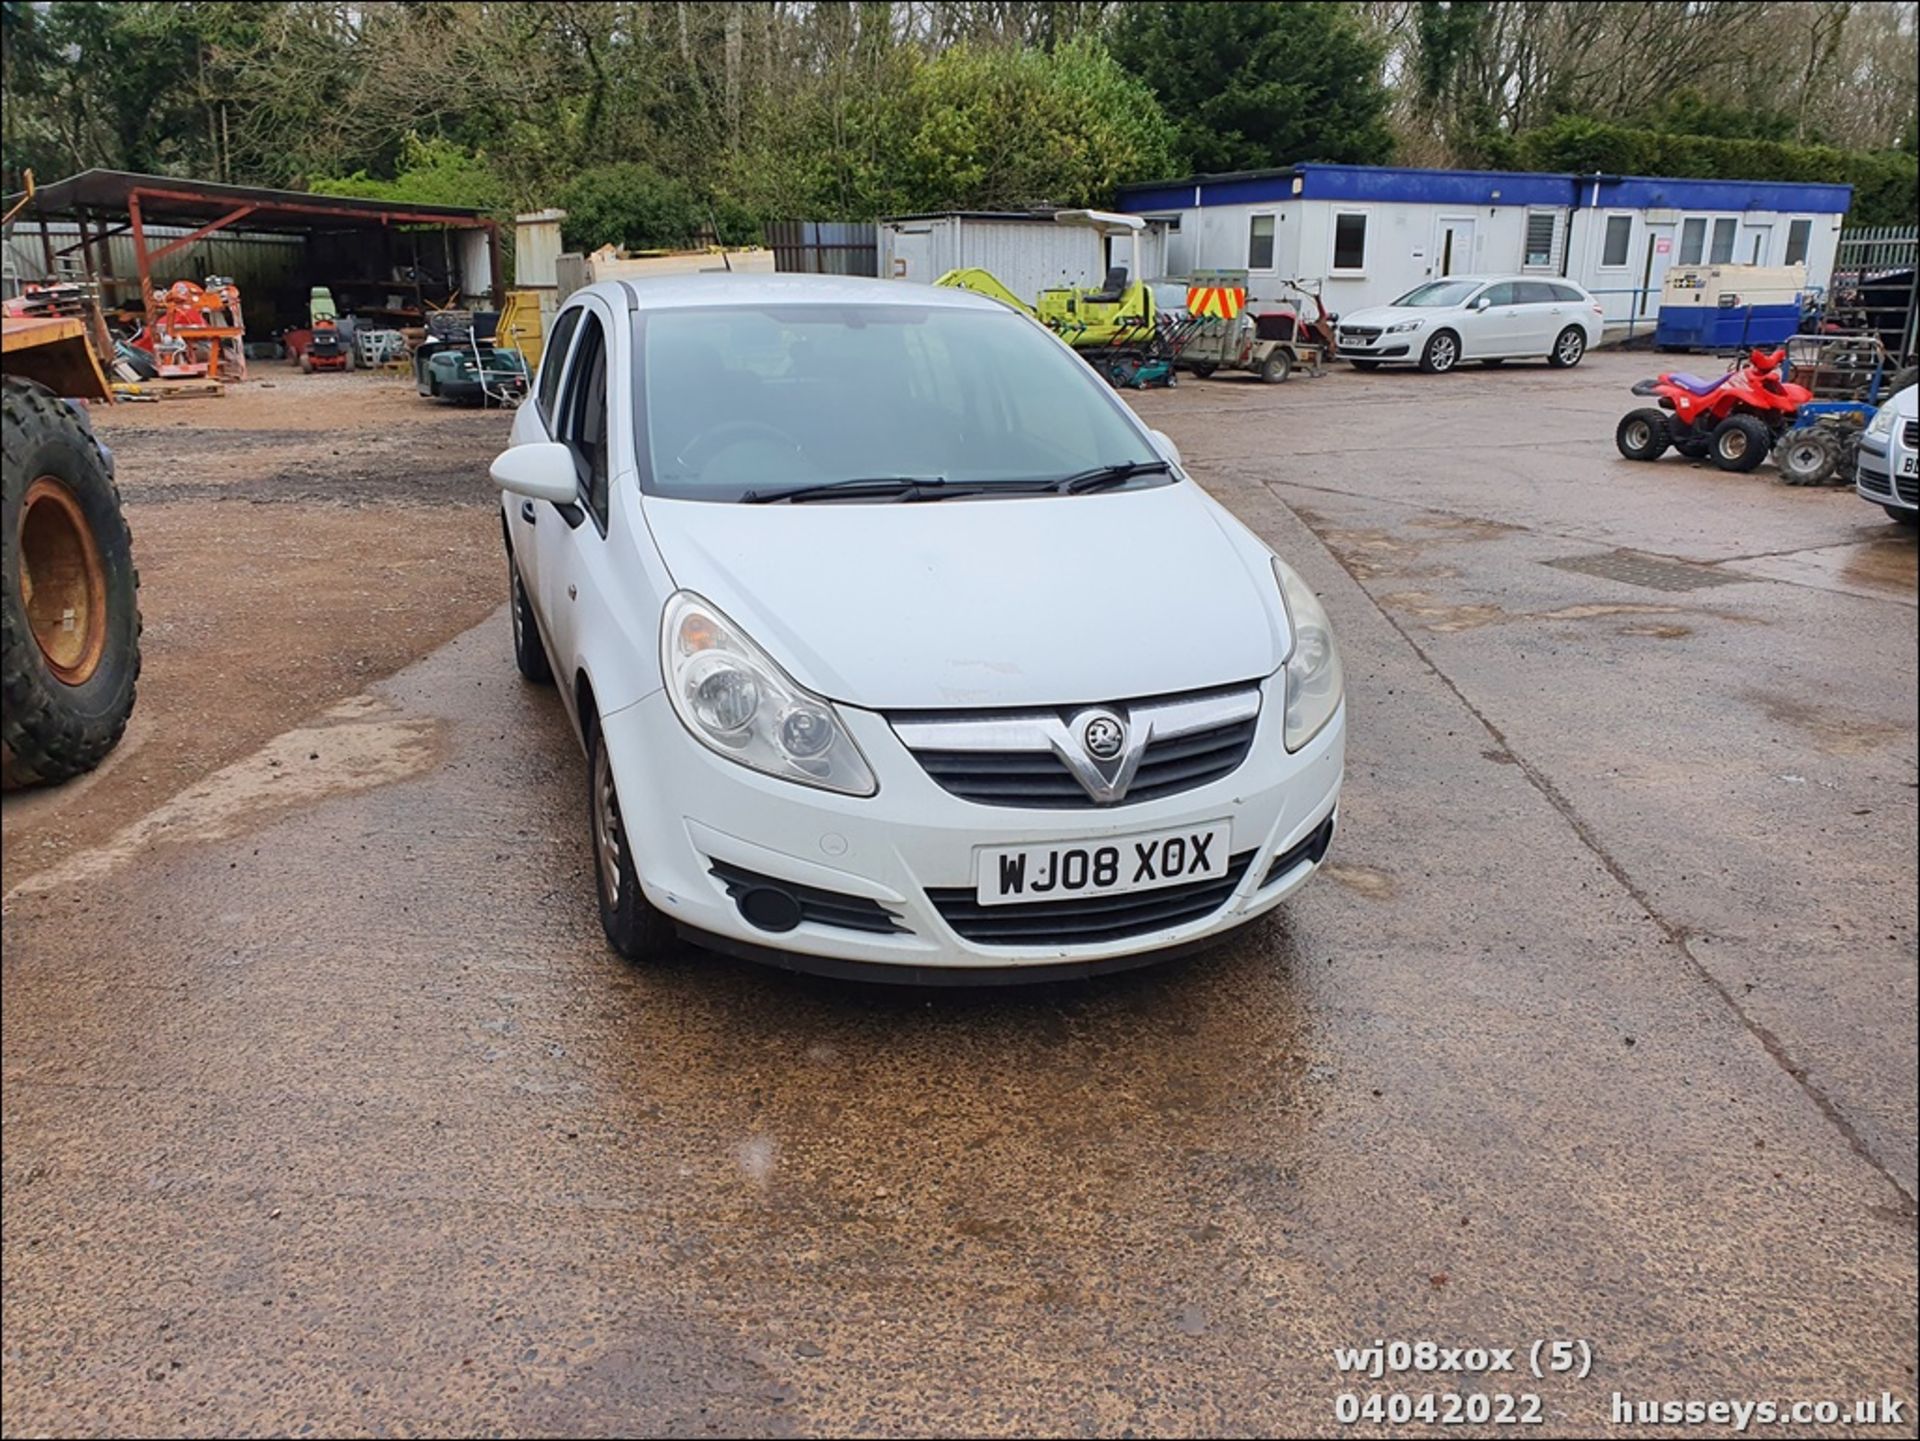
pixel 1438 292
pixel 740 398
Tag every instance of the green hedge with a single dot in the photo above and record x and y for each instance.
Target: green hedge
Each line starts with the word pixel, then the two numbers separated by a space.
pixel 1886 184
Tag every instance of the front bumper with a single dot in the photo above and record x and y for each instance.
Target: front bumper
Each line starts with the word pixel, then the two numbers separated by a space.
pixel 687 809
pixel 1876 477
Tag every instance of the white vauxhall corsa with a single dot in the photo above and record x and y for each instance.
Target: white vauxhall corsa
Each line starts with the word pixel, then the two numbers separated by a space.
pixel 897 644
pixel 1485 318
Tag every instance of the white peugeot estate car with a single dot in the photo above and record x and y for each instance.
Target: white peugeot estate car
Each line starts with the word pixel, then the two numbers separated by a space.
pixel 897 644
pixel 1485 318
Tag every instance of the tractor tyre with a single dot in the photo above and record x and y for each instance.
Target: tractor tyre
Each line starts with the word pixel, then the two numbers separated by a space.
pixel 69 594
pixel 1740 443
pixel 306 363
pixel 1642 435
pixel 1442 353
pixel 1807 455
pixel 1275 369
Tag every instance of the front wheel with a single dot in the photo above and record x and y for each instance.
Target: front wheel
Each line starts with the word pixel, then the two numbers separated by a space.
pixel 1442 353
pixel 1568 349
pixel 529 651
pixel 1740 443
pixel 633 927
pixel 1642 435
pixel 1276 367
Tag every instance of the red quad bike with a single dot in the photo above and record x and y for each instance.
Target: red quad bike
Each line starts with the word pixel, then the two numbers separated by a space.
pixel 1734 419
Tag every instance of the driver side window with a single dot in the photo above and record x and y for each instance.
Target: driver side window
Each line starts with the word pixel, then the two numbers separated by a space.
pixel 582 425
pixel 553 361
pixel 1501 294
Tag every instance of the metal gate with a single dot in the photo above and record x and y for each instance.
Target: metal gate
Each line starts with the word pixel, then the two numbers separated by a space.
pixel 824 247
pixel 1874 285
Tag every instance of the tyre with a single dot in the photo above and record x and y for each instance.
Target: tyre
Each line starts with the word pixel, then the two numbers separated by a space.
pixel 1364 364
pixel 1642 435
pixel 633 927
pixel 1807 455
pixel 1205 370
pixel 1909 518
pixel 1740 443
pixel 70 613
pixel 1276 368
pixel 1568 348
pixel 348 365
pixel 1442 353
pixel 306 363
pixel 529 651
pixel 1495 363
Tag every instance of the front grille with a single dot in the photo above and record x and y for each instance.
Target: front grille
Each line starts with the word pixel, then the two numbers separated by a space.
pixel 1015 759
pixel 1087 920
pixel 1912 434
pixel 1359 332
pixel 822 907
pixel 1313 848
pixel 1908 487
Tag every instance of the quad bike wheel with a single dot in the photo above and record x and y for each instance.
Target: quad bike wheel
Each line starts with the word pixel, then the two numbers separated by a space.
pixel 1740 443
pixel 1808 455
pixel 69 604
pixel 1642 435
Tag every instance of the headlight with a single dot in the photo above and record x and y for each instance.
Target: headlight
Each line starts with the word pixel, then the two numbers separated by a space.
pixel 738 703
pixel 1402 325
pixel 1882 422
pixel 1313 676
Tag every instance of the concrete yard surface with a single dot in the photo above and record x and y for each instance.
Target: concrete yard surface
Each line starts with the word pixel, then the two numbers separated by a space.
pixel 326 1109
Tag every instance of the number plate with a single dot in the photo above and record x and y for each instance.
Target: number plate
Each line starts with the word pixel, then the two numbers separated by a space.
pixel 1010 875
pixel 1910 464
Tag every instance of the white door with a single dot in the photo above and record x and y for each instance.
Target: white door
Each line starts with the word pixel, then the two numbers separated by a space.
pixel 1653 271
pixel 571 538
pixel 1497 328
pixel 1453 246
pixel 913 255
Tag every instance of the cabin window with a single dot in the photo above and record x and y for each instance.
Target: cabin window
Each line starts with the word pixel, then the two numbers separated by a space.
pixel 1799 236
pixel 1724 232
pixel 1349 241
pixel 1693 241
pixel 1260 243
pixel 1613 252
pixel 1540 228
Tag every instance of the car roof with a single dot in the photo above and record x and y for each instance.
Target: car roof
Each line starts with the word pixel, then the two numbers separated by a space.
pixel 709 288
pixel 1489 279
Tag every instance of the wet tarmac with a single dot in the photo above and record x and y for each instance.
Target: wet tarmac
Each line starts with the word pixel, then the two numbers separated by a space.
pixel 326 1109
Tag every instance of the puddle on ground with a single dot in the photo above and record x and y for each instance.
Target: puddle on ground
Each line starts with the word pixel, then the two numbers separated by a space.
pixel 356 745
pixel 1887 563
pixel 1375 885
pixel 1838 733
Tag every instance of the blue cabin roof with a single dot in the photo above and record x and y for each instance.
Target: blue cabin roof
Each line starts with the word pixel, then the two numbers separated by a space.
pixel 1396 184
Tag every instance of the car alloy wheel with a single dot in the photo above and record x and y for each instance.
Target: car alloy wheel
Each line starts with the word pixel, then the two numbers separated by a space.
pixel 607 835
pixel 1573 345
pixel 1442 352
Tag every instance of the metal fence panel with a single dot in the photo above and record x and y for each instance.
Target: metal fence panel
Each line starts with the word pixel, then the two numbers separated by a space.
pixel 824 247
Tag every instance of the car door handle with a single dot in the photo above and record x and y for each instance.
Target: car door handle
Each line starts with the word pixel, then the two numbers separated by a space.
pixel 526 513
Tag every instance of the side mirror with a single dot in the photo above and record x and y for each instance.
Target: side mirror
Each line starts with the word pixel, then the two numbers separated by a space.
pixel 1163 443
pixel 1483 302
pixel 541 470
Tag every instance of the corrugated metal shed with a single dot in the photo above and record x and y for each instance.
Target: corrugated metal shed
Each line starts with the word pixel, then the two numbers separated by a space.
pixel 1025 253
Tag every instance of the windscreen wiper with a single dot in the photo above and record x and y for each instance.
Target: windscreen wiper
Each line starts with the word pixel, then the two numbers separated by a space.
pixel 1102 476
pixel 905 487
